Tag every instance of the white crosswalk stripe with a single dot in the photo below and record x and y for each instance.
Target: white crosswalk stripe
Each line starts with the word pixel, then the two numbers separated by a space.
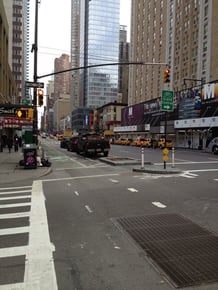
pixel 38 251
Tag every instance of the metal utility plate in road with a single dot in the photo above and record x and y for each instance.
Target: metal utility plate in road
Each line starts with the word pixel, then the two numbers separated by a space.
pixel 185 251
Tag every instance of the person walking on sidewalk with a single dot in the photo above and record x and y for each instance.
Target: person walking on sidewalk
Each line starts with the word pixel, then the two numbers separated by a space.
pixel 16 143
pixel 10 144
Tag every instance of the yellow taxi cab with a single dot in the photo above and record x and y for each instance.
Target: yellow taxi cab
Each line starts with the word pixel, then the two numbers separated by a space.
pixel 161 143
pixel 60 137
pixel 126 141
pixel 146 142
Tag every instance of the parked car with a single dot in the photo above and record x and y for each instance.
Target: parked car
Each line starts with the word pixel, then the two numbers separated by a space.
pixel 72 144
pixel 64 142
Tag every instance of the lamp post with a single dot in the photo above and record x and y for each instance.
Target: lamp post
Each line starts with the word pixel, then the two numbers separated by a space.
pixel 35 49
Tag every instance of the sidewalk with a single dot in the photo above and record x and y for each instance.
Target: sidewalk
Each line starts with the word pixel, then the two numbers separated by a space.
pixel 11 171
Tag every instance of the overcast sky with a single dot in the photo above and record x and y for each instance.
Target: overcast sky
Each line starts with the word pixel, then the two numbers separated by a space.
pixel 54 31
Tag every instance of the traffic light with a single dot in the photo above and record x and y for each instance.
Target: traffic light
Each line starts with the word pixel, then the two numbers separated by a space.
pixel 22 113
pixel 166 75
pixel 30 113
pixel 40 97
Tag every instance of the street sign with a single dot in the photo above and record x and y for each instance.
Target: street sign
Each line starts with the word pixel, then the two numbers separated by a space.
pixel 25 102
pixel 167 101
pixel 34 85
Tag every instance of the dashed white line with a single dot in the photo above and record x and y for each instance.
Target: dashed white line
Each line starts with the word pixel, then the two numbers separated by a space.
pixel 132 189
pixel 76 193
pixel 88 208
pixel 113 180
pixel 159 204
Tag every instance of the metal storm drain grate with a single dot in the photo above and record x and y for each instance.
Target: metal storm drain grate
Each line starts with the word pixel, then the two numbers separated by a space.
pixel 186 252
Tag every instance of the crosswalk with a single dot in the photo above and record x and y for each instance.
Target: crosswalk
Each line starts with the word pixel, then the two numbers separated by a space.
pixel 26 253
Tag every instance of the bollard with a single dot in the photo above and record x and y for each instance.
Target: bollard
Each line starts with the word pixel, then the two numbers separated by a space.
pixel 143 158
pixel 173 157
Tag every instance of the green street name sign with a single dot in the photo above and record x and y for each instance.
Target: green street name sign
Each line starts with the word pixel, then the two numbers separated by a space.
pixel 167 101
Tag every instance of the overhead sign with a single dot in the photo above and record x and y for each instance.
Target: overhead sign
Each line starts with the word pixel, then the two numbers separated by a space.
pixel 34 85
pixel 167 101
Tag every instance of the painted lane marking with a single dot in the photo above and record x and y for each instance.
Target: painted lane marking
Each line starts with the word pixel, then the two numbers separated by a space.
pixel 10 231
pixel 79 167
pixel 17 187
pixel 88 209
pixel 113 180
pixel 14 215
pixel 132 189
pixel 116 247
pixel 159 204
pixel 68 184
pixel 15 205
pixel 76 193
pixel 14 198
pixel 39 266
pixel 13 251
pixel 13 192
pixel 80 177
pixel 215 179
pixel 188 174
pixel 80 163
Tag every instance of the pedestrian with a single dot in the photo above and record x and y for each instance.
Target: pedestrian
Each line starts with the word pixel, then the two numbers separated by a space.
pixel 189 144
pixel 16 143
pixel 10 144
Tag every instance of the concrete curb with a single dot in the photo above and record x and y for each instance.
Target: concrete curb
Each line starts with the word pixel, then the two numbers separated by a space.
pixel 158 170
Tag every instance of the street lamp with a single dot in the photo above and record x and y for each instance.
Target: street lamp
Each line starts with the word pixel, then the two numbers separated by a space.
pixel 35 49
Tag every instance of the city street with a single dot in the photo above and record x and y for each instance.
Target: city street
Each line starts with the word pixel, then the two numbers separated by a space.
pixel 66 232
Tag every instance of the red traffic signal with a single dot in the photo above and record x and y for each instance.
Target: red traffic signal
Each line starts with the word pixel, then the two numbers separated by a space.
pixel 40 97
pixel 166 75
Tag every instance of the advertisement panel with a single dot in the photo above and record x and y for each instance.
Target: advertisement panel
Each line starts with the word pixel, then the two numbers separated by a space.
pixel 195 103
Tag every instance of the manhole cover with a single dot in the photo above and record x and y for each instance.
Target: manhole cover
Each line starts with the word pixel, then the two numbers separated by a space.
pixel 186 252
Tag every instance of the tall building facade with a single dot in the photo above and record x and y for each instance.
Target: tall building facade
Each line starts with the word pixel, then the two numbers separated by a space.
pixel 8 90
pixel 182 34
pixel 17 12
pixel 61 80
pixel 99 45
pixel 75 60
pixel 123 69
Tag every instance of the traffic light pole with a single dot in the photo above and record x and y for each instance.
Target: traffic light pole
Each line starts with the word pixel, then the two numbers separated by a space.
pixel 35 48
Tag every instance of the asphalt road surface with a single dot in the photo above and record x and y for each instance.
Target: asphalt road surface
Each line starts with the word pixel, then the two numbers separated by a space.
pixel 69 237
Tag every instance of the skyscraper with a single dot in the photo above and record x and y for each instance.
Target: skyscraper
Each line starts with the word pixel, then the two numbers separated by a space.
pixel 61 81
pixel 182 34
pixel 18 18
pixel 99 45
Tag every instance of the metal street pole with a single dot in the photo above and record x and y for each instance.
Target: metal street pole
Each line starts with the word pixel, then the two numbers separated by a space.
pixel 35 48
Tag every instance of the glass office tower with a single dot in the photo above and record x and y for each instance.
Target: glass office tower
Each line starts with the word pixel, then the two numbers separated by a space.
pixel 99 45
